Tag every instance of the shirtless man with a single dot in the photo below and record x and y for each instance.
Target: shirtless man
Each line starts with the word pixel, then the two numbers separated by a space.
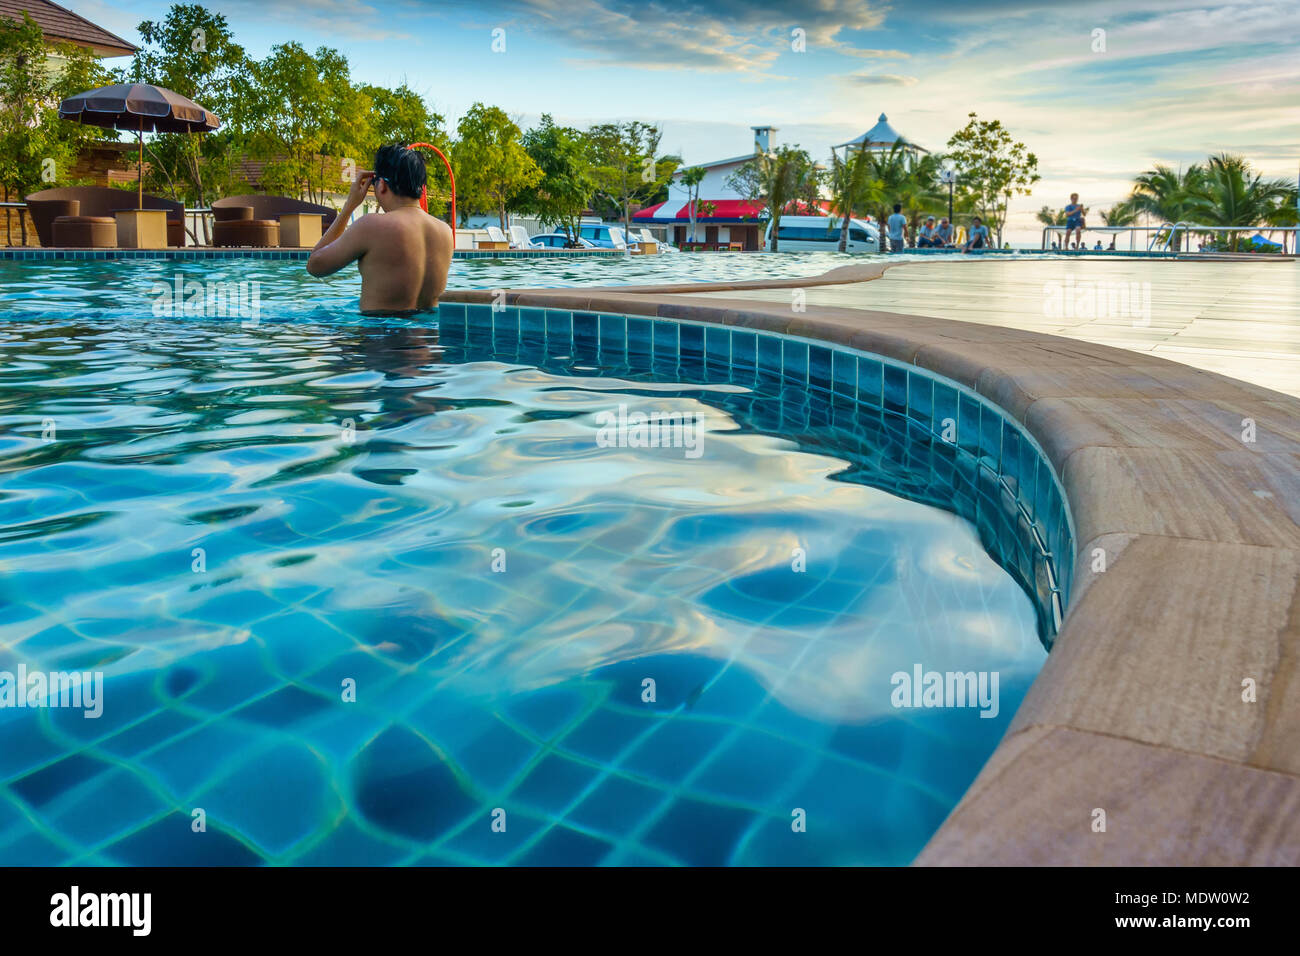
pixel 404 254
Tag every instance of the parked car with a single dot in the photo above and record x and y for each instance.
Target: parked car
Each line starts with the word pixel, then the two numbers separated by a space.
pixel 560 240
pixel 602 236
pixel 822 234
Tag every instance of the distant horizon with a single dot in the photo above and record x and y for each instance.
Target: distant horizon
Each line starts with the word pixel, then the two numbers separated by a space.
pixel 1166 81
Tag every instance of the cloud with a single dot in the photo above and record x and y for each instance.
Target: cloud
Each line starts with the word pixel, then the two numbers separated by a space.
pixel 881 79
pixel 731 36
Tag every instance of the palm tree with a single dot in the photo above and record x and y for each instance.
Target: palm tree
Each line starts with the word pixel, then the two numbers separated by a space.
pixel 1231 193
pixel 1166 193
pixel 1051 217
pixel 775 179
pixel 921 193
pixel 851 188
pixel 1121 214
pixel 691 179
pixel 891 170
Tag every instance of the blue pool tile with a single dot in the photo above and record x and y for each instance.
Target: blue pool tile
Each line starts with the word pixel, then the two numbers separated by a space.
pixel 717 345
pixel 845 373
pixel 991 436
pixel 895 390
pixel 920 398
pixel 819 367
pixel 613 334
pixel 691 341
pixel 665 339
pixel 744 349
pixel 639 336
pixel 769 356
pixel 563 328
pixel 870 382
pixel 968 425
pixel 532 321
pixel 794 361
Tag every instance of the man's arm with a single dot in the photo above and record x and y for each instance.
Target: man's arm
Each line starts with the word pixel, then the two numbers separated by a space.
pixel 341 245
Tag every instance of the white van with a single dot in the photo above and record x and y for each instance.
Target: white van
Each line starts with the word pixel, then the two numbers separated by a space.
pixel 822 234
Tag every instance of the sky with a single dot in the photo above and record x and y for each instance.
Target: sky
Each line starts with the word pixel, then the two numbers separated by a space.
pixel 1098 90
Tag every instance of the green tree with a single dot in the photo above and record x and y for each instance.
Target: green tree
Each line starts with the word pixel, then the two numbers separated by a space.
pixel 853 189
pixel 308 121
pixel 192 51
pixel 1167 194
pixel 627 171
pixel 1231 193
pixel 891 170
pixel 921 193
pixel 401 116
pixel 566 184
pixel 774 180
pixel 1051 217
pixel 1120 214
pixel 493 165
pixel 37 149
pixel 992 167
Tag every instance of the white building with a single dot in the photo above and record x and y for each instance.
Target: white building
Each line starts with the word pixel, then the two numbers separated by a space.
pixel 730 217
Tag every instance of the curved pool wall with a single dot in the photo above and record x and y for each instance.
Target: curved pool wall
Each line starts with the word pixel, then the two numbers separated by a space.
pixel 981 466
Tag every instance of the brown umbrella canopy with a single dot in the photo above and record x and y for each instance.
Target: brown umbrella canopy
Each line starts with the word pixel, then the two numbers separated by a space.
pixel 138 107
pixel 141 108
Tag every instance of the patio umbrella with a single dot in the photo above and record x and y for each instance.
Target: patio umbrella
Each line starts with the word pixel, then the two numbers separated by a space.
pixel 138 108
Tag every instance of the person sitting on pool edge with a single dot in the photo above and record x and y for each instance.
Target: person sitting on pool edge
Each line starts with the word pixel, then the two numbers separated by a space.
pixel 978 237
pixel 403 255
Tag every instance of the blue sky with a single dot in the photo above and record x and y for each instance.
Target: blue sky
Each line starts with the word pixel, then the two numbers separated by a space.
pixel 1176 80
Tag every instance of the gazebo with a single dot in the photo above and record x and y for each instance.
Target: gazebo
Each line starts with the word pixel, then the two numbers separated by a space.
pixel 881 138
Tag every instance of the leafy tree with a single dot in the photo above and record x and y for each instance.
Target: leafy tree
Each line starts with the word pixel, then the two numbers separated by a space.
pixel 401 116
pixel 494 167
pixel 852 189
pixel 992 167
pixel 192 51
pixel 626 170
pixel 562 194
pixel 307 119
pixel 774 180
pixel 37 149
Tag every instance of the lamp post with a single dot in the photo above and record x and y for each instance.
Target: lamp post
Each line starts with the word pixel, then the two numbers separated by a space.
pixel 948 174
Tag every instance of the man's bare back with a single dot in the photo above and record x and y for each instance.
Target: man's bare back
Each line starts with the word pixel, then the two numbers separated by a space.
pixel 403 255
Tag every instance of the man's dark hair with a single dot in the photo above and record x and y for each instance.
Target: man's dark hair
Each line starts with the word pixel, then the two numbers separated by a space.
pixel 403 170
pixel 898 207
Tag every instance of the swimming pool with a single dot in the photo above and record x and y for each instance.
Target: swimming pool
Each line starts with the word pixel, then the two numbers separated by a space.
pixel 368 592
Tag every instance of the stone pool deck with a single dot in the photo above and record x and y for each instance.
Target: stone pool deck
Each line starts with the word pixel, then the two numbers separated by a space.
pixel 1139 710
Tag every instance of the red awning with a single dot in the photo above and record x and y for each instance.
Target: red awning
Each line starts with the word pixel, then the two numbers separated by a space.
pixel 724 210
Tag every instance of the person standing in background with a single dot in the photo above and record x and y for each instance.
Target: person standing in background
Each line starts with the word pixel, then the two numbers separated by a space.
pixel 897 225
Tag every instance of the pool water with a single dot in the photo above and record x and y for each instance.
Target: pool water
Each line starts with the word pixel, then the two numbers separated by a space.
pixel 363 596
pixel 285 290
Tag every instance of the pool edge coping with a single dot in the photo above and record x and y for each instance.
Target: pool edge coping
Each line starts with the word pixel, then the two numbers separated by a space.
pixel 1130 715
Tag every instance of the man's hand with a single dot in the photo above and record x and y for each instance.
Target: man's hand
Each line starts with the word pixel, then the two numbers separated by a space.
pixel 360 186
